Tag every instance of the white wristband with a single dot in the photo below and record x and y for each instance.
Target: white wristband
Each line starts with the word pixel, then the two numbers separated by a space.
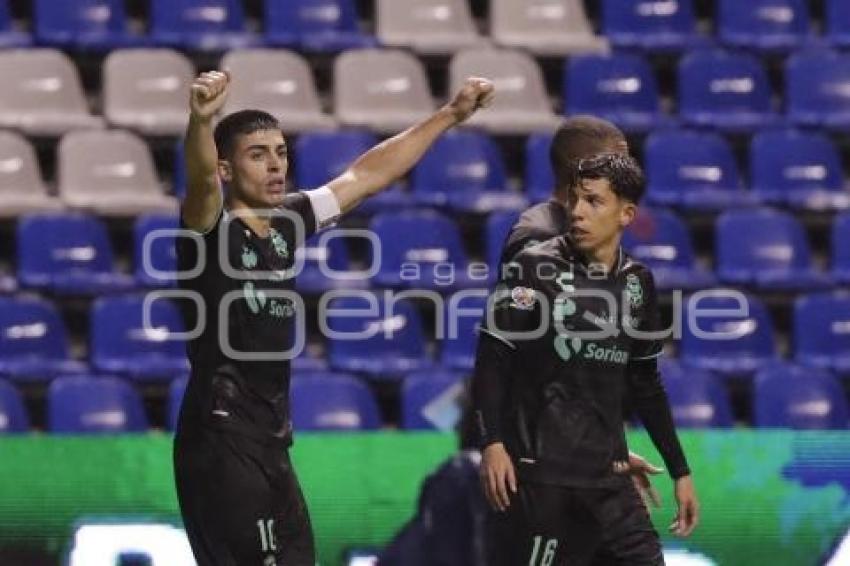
pixel 325 206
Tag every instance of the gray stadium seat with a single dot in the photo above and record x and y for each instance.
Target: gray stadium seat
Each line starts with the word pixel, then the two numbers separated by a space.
pixel 279 82
pixel 384 89
pixel 21 187
pixel 110 173
pixel 427 26
pixel 544 27
pixel 521 105
pixel 41 93
pixel 147 90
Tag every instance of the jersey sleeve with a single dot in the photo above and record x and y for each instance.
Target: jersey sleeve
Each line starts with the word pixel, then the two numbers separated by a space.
pixel 516 305
pixel 300 204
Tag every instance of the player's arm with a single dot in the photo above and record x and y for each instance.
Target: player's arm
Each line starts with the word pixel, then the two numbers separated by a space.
pixel 380 166
pixel 203 201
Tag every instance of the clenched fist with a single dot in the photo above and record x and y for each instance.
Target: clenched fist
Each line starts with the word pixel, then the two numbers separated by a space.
pixel 208 93
pixel 476 93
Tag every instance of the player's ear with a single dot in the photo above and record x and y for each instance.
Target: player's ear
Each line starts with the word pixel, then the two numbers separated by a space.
pixel 225 170
pixel 628 211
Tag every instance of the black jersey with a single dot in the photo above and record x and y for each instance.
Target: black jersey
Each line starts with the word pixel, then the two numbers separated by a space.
pixel 572 355
pixel 537 224
pixel 240 379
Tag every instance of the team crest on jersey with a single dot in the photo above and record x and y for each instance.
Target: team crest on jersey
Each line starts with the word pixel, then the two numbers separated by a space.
pixel 522 298
pixel 279 244
pixel 249 258
pixel 634 290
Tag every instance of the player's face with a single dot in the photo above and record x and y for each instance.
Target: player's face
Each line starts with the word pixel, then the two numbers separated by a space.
pixel 598 215
pixel 256 173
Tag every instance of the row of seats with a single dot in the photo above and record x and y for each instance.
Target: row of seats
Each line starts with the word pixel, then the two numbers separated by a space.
pixel 785 396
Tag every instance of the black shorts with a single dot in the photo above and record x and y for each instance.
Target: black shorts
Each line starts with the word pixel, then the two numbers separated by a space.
pixel 241 502
pixel 548 525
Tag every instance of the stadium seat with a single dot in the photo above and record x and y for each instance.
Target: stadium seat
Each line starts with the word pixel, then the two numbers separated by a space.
pixel 660 239
pixel 724 90
pixel 718 337
pixel 279 82
pixel 314 25
pixel 41 93
pixel 33 341
pixel 68 254
pixel 692 169
pixel 430 400
pixel 837 23
pixel 465 171
pixel 8 283
pixel 309 360
pixel 498 227
pixel 765 25
pixel 333 402
pixel 176 391
pixel 383 89
pixel 13 413
pixel 544 27
pixel 201 25
pixel 817 87
pixel 841 248
pixel 822 331
pixel 322 156
pixel 160 265
pixel 22 189
pixel 765 248
pixel 459 331
pixel 798 398
pixel 382 344
pixel 539 178
pixel 426 26
pixel 800 169
pixel 121 344
pixel 522 104
pixel 335 257
pixel 621 88
pixel 697 398
pixel 420 249
pixel 87 405
pixel 111 173
pixel 651 26
pixel 83 24
pixel 9 35
pixel 146 90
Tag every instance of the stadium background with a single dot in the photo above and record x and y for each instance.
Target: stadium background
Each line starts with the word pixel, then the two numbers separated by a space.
pixel 769 496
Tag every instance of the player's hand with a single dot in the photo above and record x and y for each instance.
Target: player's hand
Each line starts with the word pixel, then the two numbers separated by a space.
pixel 497 476
pixel 687 516
pixel 476 93
pixel 640 470
pixel 208 93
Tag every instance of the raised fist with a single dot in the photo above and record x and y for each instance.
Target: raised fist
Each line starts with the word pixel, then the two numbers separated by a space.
pixel 476 93
pixel 208 93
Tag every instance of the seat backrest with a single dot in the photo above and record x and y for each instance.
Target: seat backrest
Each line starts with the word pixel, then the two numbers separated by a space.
pixel 431 400
pixel 817 82
pixel 821 327
pixel 333 403
pixel 461 161
pixel 19 169
pixel 63 21
pixel 397 19
pixel 417 237
pixel 538 17
pixel 31 327
pixel 276 80
pixel 159 254
pixel 196 16
pixel 715 80
pixel 311 16
pixel 88 404
pixel 761 239
pixel 841 242
pixel 5 16
pixel 106 163
pixel 788 160
pixel 118 330
pixel 13 414
pixel 837 19
pixel 610 83
pixel 146 80
pixel 744 23
pixel 697 399
pixel 499 225
pixel 539 178
pixel 659 238
pixel 459 333
pixel 801 398
pixel 627 17
pixel 40 81
pixel 679 160
pixel 323 156
pixel 334 254
pixel 726 333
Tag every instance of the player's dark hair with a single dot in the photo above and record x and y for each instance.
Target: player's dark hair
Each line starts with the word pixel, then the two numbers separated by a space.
pixel 579 137
pixel 243 122
pixel 622 171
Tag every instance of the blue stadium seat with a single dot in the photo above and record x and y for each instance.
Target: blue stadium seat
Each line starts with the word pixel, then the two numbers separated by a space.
pixel 696 170
pixel 420 250
pixel 371 341
pixel 660 239
pixel 800 169
pixel 822 331
pixel 724 90
pixel 498 226
pixel 203 25
pixel 539 178
pixel 817 88
pixel 841 248
pixel 13 414
pixel 67 254
pixel 430 400
pixel 460 331
pixel 8 283
pixel 698 399
pixel 333 255
pixel 719 339
pixel 766 25
pixel 178 173
pixel 83 24
pixel 309 360
pixel 33 340
pixel 333 403
pixel 315 25
pixel 465 171
pixel 322 156
pixel 85 404
pixel 9 36
pixel 161 251
pixel 652 26
pixel 620 87
pixel 765 248
pixel 176 391
pixel 794 397
pixel 837 20
pixel 121 344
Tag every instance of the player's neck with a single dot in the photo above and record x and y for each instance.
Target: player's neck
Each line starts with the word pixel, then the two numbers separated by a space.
pixel 258 224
